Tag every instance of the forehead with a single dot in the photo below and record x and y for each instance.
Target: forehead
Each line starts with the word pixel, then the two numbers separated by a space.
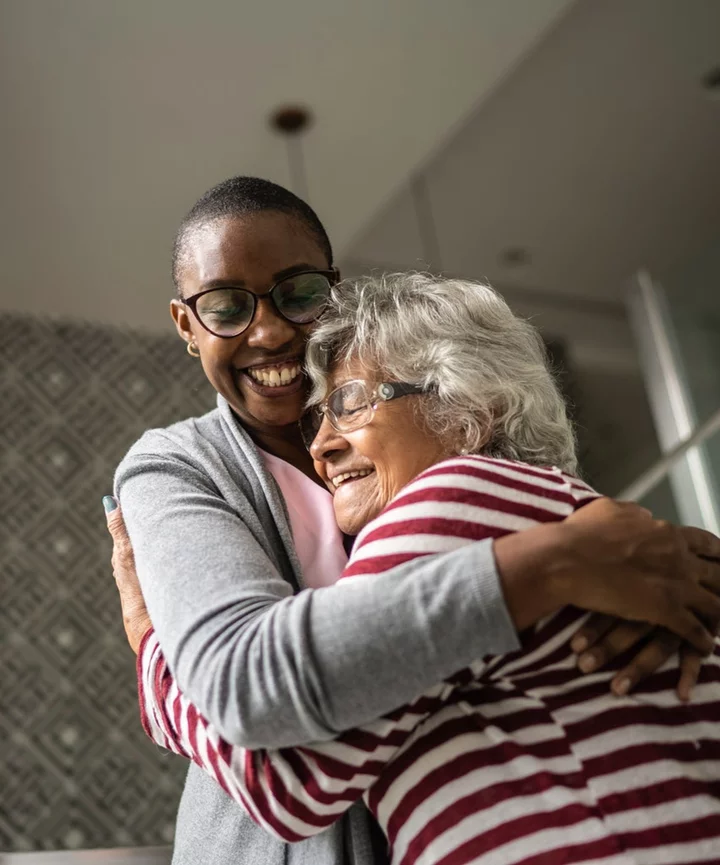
pixel 248 250
pixel 342 371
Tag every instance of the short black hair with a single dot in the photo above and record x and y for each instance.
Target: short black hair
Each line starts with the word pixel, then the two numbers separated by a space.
pixel 239 196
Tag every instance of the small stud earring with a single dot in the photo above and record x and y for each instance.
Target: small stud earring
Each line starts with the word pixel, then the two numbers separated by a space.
pixel 192 349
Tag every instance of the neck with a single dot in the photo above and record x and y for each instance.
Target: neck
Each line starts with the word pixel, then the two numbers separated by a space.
pixel 286 443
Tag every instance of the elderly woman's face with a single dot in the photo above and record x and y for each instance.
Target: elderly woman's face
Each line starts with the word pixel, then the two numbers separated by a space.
pixel 387 453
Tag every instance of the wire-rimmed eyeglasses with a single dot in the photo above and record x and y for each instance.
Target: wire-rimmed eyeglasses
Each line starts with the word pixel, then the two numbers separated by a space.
pixel 352 406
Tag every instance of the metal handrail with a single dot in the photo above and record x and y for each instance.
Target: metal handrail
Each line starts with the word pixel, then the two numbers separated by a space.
pixel 112 856
pixel 649 479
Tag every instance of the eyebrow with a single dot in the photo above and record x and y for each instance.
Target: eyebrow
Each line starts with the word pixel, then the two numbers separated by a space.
pixel 296 268
pixel 300 267
pixel 345 381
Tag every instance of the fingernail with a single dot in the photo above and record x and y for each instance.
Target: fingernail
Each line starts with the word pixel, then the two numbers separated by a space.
pixel 579 644
pixel 109 504
pixel 587 663
pixel 622 687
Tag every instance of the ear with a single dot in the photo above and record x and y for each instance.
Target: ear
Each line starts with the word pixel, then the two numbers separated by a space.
pixel 181 317
pixel 338 275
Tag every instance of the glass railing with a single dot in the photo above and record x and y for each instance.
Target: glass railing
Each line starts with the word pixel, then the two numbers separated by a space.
pixel 705 440
pixel 676 320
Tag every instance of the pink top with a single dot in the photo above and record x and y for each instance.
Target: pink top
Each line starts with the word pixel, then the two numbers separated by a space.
pixel 318 540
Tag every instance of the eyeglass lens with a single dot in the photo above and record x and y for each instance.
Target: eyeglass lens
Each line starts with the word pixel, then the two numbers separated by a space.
pixel 349 406
pixel 229 311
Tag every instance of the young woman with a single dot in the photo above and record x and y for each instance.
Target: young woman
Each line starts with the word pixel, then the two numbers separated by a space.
pixel 228 523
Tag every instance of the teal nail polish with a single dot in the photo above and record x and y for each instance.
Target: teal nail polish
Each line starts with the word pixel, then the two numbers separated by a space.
pixel 109 504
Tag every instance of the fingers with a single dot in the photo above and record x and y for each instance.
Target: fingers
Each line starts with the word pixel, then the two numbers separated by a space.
pixel 690 665
pixel 687 610
pixel 115 522
pixel 123 558
pixel 691 629
pixel 709 575
pixel 707 607
pixel 596 625
pixel 135 615
pixel 700 542
pixel 650 658
pixel 620 637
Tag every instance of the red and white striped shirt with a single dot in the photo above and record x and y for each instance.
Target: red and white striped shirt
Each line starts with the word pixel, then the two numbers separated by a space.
pixel 519 759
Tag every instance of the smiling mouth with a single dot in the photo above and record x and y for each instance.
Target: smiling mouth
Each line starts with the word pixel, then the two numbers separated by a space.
pixel 350 476
pixel 275 374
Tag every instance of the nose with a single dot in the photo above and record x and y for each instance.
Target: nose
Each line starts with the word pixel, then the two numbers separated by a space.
pixel 327 442
pixel 268 329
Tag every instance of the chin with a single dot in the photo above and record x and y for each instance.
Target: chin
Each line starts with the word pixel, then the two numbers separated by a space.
pixel 279 418
pixel 278 412
pixel 353 524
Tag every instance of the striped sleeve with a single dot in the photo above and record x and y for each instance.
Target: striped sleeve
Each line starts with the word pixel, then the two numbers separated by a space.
pixel 292 793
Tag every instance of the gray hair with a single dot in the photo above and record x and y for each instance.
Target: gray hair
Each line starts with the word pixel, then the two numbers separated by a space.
pixel 485 371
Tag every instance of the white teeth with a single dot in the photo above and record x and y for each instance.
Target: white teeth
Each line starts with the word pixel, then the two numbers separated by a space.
pixel 346 475
pixel 275 376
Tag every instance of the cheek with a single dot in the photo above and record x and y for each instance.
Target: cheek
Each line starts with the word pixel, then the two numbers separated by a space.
pixel 218 355
pixel 356 506
pixel 388 482
pixel 398 466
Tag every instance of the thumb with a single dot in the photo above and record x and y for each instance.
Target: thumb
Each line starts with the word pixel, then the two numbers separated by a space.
pixel 113 517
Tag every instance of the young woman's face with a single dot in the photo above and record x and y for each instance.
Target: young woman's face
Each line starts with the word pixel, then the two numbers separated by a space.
pixel 252 252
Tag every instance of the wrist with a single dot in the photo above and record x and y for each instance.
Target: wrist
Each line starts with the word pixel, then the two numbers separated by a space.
pixel 136 631
pixel 533 566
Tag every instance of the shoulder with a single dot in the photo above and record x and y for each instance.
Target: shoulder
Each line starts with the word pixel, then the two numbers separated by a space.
pixel 471 498
pixel 185 436
pixel 477 471
pixel 189 446
pixel 541 493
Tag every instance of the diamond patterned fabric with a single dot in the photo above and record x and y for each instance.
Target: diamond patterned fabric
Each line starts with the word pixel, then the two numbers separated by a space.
pixel 75 768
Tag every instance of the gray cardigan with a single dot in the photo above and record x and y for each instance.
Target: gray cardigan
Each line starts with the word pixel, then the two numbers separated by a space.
pixel 268 664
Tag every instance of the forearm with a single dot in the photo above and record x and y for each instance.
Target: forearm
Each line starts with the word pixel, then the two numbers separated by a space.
pixel 269 669
pixel 309 667
pixel 292 793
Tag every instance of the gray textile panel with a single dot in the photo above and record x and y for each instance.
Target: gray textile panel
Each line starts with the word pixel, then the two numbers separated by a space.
pixel 76 770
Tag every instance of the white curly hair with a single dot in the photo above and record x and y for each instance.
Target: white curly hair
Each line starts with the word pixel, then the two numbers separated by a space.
pixel 488 384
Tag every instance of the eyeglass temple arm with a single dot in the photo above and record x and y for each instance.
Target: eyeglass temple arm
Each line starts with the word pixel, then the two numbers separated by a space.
pixel 404 388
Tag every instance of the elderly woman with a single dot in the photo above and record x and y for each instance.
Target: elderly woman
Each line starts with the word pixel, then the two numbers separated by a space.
pixel 233 538
pixel 435 422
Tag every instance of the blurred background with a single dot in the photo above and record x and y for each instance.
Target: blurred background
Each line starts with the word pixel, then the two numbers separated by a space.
pixel 566 150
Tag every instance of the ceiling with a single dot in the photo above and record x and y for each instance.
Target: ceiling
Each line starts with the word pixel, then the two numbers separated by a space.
pixel 599 154
pixel 118 115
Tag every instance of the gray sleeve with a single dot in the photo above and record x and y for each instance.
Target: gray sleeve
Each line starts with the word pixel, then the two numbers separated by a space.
pixel 271 669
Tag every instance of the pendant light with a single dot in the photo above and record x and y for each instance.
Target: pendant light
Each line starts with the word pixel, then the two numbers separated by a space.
pixel 292 121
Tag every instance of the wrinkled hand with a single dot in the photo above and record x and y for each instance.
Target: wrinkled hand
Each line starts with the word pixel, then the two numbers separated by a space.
pixel 134 612
pixel 616 559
